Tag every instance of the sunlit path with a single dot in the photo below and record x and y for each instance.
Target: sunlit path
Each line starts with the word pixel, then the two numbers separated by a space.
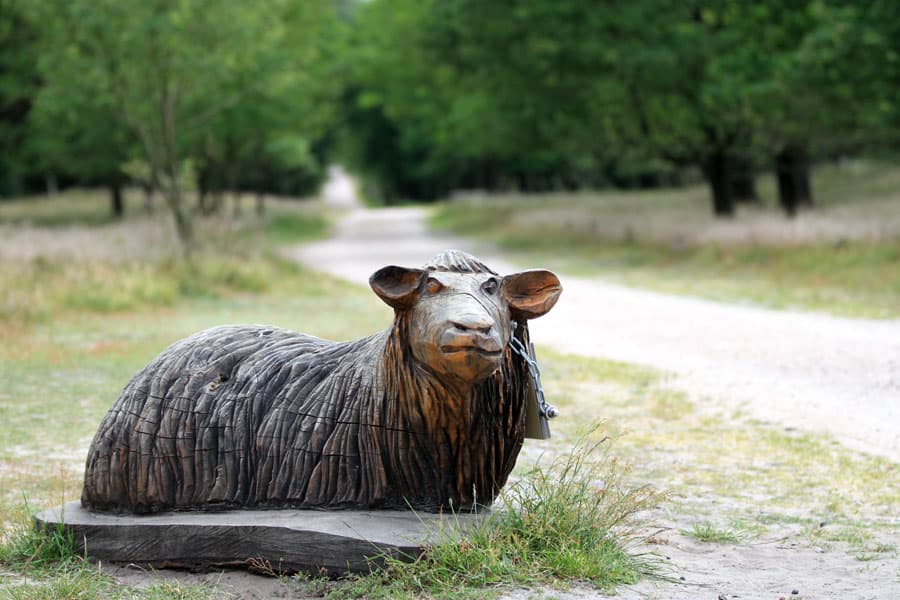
pixel 339 190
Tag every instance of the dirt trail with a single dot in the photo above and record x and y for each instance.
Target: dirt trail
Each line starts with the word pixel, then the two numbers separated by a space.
pixel 807 371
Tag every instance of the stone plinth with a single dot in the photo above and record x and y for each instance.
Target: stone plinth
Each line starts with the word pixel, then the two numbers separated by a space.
pixel 335 542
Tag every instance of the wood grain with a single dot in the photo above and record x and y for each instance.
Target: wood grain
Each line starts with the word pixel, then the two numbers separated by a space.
pixel 262 417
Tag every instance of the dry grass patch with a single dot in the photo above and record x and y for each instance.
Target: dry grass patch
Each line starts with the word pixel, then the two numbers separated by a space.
pixel 840 258
pixel 729 474
pixel 136 263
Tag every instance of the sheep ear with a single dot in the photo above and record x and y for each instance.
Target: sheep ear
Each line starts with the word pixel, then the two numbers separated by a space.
pixel 531 294
pixel 397 286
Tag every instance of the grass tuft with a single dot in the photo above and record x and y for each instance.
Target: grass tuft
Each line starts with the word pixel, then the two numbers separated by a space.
pixel 30 548
pixel 50 567
pixel 572 520
pixel 176 590
pixel 708 532
pixel 65 584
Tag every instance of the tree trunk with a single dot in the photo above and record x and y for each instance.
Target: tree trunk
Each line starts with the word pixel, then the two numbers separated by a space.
pixel 174 197
pixel 490 174
pixel 716 171
pixel 802 179
pixel 52 184
pixel 215 201
pixel 148 196
pixel 202 192
pixel 117 204
pixel 260 204
pixel 231 176
pixel 183 226
pixel 792 174
pixel 743 181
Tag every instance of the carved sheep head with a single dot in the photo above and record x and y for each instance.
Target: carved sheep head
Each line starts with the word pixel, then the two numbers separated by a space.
pixel 460 311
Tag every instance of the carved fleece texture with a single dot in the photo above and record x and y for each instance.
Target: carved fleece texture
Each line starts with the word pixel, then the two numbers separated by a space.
pixel 261 417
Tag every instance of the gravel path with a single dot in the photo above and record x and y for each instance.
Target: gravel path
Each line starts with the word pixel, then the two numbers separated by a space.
pixel 807 371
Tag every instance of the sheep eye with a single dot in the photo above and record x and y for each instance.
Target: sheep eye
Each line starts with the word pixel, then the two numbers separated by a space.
pixel 490 286
pixel 433 286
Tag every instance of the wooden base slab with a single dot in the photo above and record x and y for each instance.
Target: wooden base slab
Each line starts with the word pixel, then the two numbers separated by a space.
pixel 284 541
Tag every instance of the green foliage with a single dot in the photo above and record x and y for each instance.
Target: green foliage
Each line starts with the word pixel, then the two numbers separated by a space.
pixel 19 54
pixel 540 95
pixel 228 94
pixel 30 548
pixel 570 520
pixel 427 96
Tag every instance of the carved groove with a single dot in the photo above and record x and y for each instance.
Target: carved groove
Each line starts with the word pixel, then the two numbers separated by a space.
pixel 261 417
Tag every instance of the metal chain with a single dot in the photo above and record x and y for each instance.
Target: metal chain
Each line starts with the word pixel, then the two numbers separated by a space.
pixel 544 408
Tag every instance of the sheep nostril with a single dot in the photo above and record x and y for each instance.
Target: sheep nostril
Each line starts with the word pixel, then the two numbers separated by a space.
pixel 473 326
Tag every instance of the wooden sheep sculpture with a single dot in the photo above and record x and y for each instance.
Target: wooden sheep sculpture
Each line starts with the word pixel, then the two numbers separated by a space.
pixel 429 414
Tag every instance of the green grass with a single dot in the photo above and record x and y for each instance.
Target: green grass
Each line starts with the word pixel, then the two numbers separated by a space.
pixel 288 220
pixel 31 548
pixel 570 520
pixel 708 532
pixel 87 583
pixel 862 538
pixel 665 240
pixel 289 228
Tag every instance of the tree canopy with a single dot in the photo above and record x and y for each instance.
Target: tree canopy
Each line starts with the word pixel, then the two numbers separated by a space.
pixel 537 94
pixel 426 96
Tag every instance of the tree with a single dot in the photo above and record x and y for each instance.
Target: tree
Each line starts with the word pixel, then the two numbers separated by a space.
pixel 172 69
pixel 784 111
pixel 19 51
pixel 264 140
pixel 555 92
pixel 76 129
pixel 851 64
pixel 479 94
pixel 563 93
